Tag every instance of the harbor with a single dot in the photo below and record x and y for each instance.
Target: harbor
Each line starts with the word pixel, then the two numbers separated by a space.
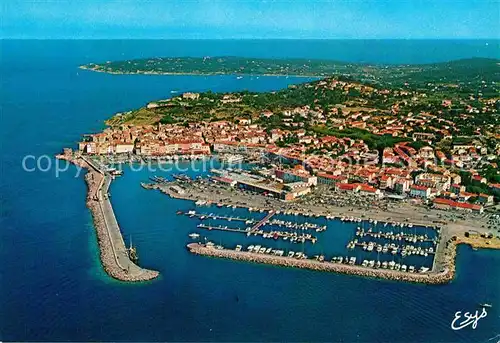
pixel 320 238
pixel 382 246
pixel 387 244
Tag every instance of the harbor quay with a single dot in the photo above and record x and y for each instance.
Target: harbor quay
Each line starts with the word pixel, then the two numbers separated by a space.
pixel 443 252
pixel 431 278
pixel 427 278
pixel 115 256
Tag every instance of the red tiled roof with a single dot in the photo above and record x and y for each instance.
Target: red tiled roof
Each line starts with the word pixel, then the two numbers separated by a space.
pixel 419 188
pixel 451 203
pixel 331 177
pixel 347 186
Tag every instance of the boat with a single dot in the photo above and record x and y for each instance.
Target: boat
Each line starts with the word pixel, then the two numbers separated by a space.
pixel 486 305
pixel 132 252
pixel 194 235
pixel 181 177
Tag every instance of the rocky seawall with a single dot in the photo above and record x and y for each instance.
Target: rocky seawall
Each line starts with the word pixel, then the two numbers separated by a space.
pixel 442 277
pixel 113 258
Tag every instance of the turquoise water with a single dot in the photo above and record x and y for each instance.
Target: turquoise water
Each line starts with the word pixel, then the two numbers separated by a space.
pixel 52 287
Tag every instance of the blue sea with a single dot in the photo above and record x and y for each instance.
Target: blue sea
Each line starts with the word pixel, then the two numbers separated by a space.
pixel 52 287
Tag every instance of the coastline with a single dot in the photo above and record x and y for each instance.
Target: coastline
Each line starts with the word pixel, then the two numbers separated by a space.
pixel 113 253
pixel 83 67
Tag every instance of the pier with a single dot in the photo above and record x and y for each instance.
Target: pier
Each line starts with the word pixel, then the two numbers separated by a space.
pixel 399 236
pixel 263 221
pixel 221 228
pixel 441 277
pixel 114 254
pixel 216 217
pixel 272 222
pixel 272 234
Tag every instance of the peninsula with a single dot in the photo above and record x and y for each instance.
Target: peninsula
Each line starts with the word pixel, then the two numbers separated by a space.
pixel 462 70
pixel 407 145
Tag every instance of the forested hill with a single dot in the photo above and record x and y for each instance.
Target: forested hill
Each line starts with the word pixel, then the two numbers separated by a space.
pixel 466 71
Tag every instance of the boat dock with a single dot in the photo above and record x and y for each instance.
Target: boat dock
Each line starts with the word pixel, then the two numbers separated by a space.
pixel 398 236
pixel 221 228
pixel 263 221
pixel 292 237
pixel 215 217
pixel 266 221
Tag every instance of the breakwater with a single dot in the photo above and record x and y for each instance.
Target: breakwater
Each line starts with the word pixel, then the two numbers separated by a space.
pixel 113 252
pixel 444 276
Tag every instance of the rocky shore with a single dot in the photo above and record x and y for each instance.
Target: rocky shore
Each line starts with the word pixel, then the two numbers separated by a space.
pixel 442 277
pixel 114 260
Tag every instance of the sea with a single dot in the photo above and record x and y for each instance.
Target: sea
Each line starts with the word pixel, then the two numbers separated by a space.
pixel 52 286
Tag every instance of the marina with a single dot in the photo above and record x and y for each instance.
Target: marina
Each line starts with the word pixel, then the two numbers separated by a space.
pixel 298 260
pixel 359 242
pixel 262 249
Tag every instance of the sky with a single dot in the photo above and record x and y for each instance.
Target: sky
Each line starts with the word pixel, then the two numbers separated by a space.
pixel 250 19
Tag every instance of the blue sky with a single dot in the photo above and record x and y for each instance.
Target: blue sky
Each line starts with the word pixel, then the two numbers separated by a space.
pixel 220 19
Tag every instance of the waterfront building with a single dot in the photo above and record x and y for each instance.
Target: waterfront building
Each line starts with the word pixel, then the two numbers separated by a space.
pixel 224 180
pixel 329 179
pixel 371 191
pixel 451 204
pixel 385 182
pixel 438 181
pixel 297 174
pixel 418 191
pixel 347 187
pixel 402 185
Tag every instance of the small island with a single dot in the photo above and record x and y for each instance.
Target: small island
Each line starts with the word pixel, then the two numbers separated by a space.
pixel 399 146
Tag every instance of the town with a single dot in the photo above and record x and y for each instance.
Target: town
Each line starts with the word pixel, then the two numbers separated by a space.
pixel 403 156
pixel 397 159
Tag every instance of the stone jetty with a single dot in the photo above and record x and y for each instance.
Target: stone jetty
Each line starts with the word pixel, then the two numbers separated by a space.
pixel 113 252
pixel 441 277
